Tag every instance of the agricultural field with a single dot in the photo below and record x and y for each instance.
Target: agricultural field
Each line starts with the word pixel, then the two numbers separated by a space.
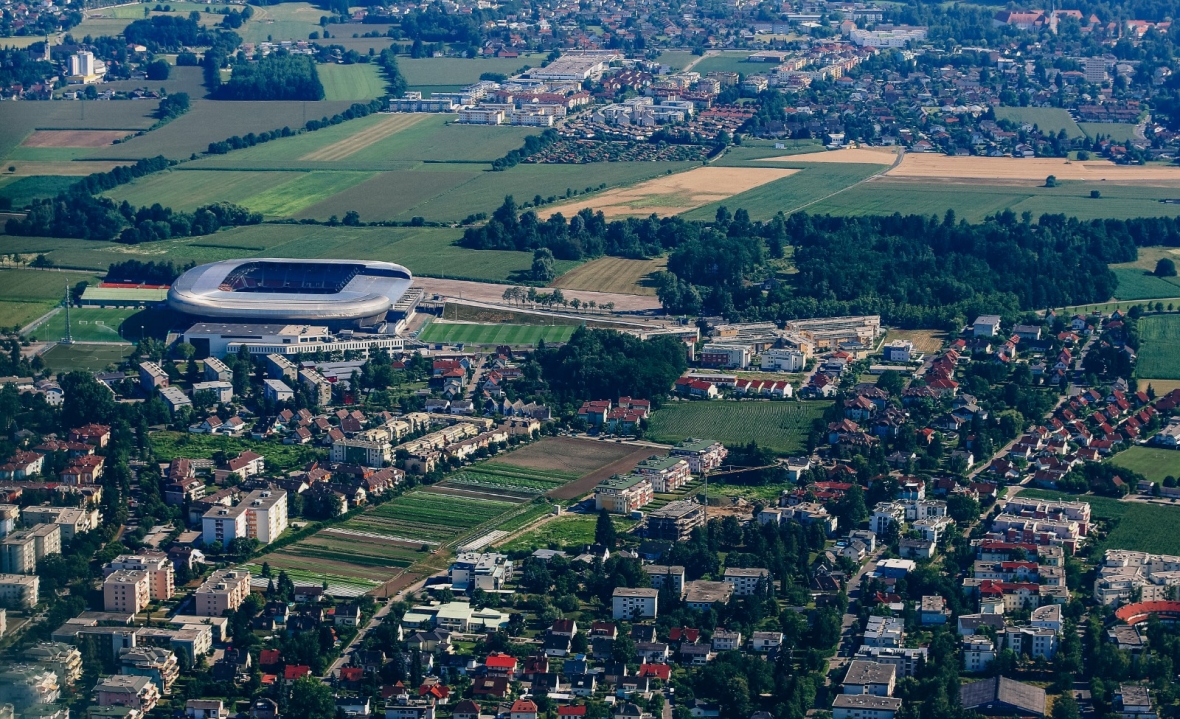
pixel 1046 118
pixel 459 71
pixel 568 530
pixel 29 285
pixel 1136 525
pixel 359 82
pixel 285 21
pixel 447 332
pixel 1115 131
pixel 1137 284
pixel 1159 349
pixel 187 190
pixel 93 324
pixel 22 118
pixel 424 517
pixel 303 191
pixel 800 191
pixel 20 191
pixel 1161 386
pixel 780 426
pixel 91 358
pixel 19 314
pixel 180 79
pixel 614 274
pixel 513 479
pixel 563 456
pixel 1152 462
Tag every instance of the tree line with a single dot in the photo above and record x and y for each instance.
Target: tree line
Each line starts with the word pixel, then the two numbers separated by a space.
pixel 280 76
pixel 87 217
pixel 146 273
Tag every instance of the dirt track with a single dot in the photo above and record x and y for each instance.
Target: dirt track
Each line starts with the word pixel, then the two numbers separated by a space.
pixel 486 292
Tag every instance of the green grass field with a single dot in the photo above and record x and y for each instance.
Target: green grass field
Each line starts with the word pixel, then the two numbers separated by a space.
pixel 1159 348
pixel 21 118
pixel 780 426
pixel 91 358
pixel 19 314
pixel 358 82
pixel 170 445
pixel 30 285
pixel 1115 131
pixel 190 189
pixel 1046 118
pixel 92 324
pixel 284 21
pixel 491 475
pixel 23 190
pixel 676 59
pixel 1138 284
pixel 1152 462
pixel 477 334
pixel 570 530
pixel 310 573
pixel 1136 526
pixel 303 191
pixel 460 71
pixel 731 61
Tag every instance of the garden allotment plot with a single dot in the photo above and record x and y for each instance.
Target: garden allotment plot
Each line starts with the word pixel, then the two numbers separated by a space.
pixel 426 517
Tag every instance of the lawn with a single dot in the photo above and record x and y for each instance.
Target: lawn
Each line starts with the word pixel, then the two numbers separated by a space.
pixel 779 426
pixel 569 530
pixel 1159 348
pixel 731 61
pixel 279 457
pixel 1152 462
pixel 1115 131
pixel 90 358
pixel 480 334
pixel 800 191
pixel 357 82
pixel 1046 118
pixel 459 71
pixel 93 324
pixel 1135 525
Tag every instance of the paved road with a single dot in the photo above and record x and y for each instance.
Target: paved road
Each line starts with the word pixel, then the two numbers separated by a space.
pixel 334 670
pixel 850 626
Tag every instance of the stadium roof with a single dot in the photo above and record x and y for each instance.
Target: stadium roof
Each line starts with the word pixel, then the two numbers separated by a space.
pixel 274 290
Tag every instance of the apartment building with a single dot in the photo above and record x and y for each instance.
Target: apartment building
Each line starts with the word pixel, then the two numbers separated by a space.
pixel 19 590
pixel 474 570
pixel 674 521
pixel 885 514
pixel 266 514
pixel 747 581
pixel 225 524
pixel 158 665
pixel 365 452
pixel 884 632
pixel 63 659
pixel 152 376
pixel 623 494
pixel 18 553
pixel 224 589
pixel 865 677
pixel 9 516
pixel 275 390
pixel 217 371
pixel 320 388
pixel 628 603
pixel 71 520
pixel 864 706
pixel 161 575
pixel 978 653
pixel 667 474
pixel 126 591
pixel 665 576
pixel 127 691
pixel 907 660
pixel 701 454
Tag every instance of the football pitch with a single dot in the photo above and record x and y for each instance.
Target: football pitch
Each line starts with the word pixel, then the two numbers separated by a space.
pixel 92 324
pixel 481 334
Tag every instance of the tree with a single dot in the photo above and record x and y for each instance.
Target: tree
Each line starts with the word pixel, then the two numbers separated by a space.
pixel 543 265
pixel 962 508
pixel 1066 707
pixel 1165 268
pixel 311 699
pixel 604 530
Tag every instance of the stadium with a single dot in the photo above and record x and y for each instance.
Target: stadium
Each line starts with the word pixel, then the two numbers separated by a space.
pixel 333 293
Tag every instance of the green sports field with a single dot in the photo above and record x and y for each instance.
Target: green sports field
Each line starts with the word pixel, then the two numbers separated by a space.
pixel 1152 462
pixel 477 334
pixel 91 358
pixel 92 324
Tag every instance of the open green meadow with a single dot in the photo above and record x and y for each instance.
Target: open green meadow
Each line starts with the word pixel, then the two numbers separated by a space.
pixel 1138 284
pixel 1152 462
pixel 303 191
pixel 170 445
pixel 460 71
pixel 283 21
pixel 19 314
pixel 568 530
pixel 358 82
pixel 1052 119
pixel 676 59
pixel 427 517
pixel 190 189
pixel 28 285
pixel 1135 525
pixel 780 426
pixel 1159 347
pixel 479 334
pixel 731 61
pixel 23 190
pixel 1114 131
pixel 91 358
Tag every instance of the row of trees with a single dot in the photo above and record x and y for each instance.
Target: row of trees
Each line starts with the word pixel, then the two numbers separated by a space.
pixel 88 217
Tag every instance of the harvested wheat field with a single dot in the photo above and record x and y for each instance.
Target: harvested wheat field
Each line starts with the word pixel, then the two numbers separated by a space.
pixel 847 156
pixel 1161 386
pixel 1035 169
pixel 673 194
pixel 75 138
pixel 365 138
pixel 614 274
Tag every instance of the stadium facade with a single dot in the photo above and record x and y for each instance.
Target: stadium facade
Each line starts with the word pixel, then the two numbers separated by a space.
pixel 332 293
pixel 294 307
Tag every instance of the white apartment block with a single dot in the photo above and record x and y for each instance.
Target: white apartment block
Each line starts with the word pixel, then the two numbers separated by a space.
pixel 1123 572
pixel 670 575
pixel 224 589
pixel 627 603
pixel 266 514
pixel 475 570
pixel 224 524
pixel 978 653
pixel 884 632
pixel 864 706
pixel 907 660
pixel 161 575
pixel 18 590
pixel 783 360
pixel 746 581
pixel 1037 642
pixel 72 520
pixel 126 591
pixel 885 514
